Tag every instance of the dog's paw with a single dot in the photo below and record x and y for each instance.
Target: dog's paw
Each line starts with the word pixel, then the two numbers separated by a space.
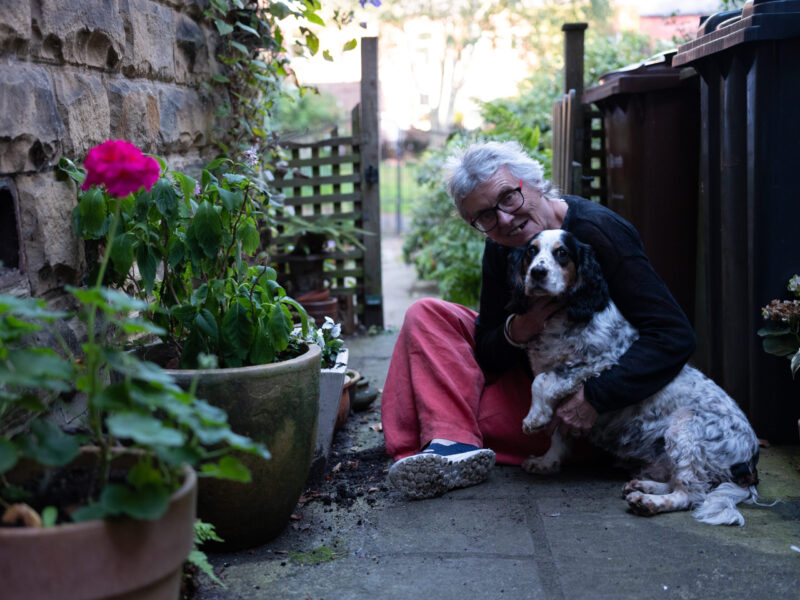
pixel 646 487
pixel 538 417
pixel 642 504
pixel 541 465
pixel 634 485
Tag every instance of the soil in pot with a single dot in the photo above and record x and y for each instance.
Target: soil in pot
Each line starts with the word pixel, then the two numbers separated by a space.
pixel 111 559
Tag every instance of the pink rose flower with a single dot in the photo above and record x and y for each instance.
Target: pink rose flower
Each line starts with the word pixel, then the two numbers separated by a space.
pixel 120 167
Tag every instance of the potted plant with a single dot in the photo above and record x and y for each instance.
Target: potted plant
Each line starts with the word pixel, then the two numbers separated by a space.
pixel 115 518
pixel 331 382
pixel 782 332
pixel 315 240
pixel 227 325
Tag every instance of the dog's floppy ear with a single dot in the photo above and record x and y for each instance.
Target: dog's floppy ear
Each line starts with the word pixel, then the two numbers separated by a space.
pixel 517 266
pixel 590 293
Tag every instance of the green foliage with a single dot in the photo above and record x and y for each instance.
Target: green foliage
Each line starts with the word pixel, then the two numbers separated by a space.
pixel 441 246
pixel 194 243
pixel 204 532
pixel 306 110
pixel 128 402
pixel 256 60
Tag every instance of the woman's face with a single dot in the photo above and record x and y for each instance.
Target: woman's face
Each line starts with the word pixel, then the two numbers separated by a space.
pixel 517 229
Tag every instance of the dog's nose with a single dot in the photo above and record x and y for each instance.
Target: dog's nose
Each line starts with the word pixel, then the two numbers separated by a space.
pixel 538 273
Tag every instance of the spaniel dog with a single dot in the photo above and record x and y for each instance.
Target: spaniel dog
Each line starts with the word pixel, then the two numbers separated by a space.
pixel 697 447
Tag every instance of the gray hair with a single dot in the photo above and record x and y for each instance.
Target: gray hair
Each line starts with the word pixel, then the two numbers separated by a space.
pixel 477 163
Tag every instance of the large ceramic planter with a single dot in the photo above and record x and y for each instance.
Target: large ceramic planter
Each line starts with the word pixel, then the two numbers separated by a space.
pixel 275 404
pixel 110 559
pixel 331 382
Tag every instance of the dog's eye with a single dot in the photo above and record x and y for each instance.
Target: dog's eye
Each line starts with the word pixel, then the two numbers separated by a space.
pixel 561 255
pixel 531 251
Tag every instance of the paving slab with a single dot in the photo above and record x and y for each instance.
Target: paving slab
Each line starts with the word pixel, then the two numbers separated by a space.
pixel 517 536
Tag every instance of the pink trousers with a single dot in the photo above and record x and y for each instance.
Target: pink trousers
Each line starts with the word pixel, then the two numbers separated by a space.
pixel 435 389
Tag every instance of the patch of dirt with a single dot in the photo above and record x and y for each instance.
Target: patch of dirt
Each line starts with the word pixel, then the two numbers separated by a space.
pixel 356 467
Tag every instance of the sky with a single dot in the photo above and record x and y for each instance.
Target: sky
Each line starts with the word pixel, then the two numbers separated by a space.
pixel 666 7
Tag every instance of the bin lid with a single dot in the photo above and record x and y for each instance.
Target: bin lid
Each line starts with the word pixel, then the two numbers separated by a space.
pixel 760 20
pixel 654 73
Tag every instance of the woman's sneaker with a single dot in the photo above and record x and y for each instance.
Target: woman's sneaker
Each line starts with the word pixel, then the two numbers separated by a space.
pixel 440 468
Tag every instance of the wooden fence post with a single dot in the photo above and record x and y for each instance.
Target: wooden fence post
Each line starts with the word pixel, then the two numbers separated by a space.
pixel 370 185
pixel 573 80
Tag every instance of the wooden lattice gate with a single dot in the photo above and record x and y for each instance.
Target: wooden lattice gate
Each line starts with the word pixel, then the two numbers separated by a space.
pixel 337 178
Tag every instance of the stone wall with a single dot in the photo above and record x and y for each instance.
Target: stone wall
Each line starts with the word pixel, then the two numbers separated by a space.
pixel 72 75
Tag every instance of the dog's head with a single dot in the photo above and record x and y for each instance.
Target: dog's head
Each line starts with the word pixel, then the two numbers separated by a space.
pixel 555 264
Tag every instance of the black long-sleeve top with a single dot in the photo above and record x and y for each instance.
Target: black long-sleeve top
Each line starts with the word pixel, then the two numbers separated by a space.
pixel 666 339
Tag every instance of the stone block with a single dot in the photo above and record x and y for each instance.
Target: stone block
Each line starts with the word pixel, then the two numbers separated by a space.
pixel 191 52
pixel 31 128
pixel 185 119
pixel 53 253
pixel 134 113
pixel 152 28
pixel 83 103
pixel 15 26
pixel 195 8
pixel 88 33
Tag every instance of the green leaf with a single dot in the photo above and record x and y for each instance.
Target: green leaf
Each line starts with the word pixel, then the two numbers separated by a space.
pixel 312 41
pixel 8 455
pixel 148 264
pixel 783 345
pixel 314 18
pixel 279 329
pixel 774 331
pixel 165 198
pixel 223 27
pixel 206 322
pixel 37 368
pixel 220 78
pixel 122 253
pixel 148 502
pixel 90 214
pixel 232 201
pixel 326 54
pixel 207 227
pixel 795 362
pixel 350 45
pixel 279 9
pixel 186 183
pixel 240 47
pixel 262 352
pixel 229 467
pixel 250 238
pixel 49 445
pixel 143 474
pixel 91 512
pixel 175 251
pixel 248 29
pixel 237 331
pixel 143 429
pixel 49 516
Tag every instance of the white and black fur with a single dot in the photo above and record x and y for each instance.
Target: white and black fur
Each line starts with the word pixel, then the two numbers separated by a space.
pixel 695 444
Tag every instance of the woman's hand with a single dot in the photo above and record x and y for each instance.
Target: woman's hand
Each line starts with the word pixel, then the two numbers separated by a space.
pixel 523 327
pixel 574 416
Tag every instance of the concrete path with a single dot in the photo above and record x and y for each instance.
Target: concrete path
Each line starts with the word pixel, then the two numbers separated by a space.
pixel 516 536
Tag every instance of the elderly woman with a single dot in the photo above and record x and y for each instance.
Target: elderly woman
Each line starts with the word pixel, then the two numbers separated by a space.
pixel 459 384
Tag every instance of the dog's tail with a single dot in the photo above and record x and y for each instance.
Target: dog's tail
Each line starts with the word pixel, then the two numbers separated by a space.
pixel 719 505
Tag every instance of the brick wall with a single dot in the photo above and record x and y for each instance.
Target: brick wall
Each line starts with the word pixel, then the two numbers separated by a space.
pixel 73 74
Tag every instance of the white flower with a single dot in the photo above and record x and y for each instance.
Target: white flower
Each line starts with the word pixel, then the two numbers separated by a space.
pixel 794 285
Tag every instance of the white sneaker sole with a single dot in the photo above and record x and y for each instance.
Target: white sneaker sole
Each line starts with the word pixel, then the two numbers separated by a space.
pixel 429 475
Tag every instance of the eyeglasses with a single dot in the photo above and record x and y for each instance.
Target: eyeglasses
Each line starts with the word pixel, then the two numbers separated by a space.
pixel 509 203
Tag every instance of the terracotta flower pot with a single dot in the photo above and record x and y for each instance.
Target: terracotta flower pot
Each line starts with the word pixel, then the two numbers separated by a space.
pixel 276 404
pixel 344 403
pixel 109 559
